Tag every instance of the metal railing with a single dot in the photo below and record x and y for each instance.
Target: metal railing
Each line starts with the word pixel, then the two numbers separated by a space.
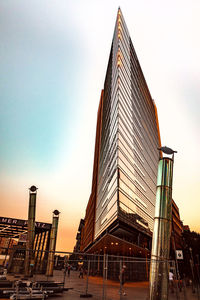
pixel 103 277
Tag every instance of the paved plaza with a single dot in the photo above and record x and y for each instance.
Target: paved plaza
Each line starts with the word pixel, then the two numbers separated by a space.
pixel 108 290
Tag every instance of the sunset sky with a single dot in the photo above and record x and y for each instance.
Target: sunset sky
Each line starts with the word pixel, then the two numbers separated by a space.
pixel 53 59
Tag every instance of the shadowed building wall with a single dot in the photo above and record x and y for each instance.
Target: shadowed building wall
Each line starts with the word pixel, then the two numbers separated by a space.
pixel 87 234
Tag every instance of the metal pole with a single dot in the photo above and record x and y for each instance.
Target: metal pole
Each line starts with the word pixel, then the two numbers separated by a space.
pixel 38 253
pixel 175 281
pixel 4 262
pixel 159 273
pixel 147 268
pixel 176 261
pixel 104 276
pixel 98 268
pixel 120 277
pixel 88 272
pixel 29 259
pixel 197 266
pixel 64 276
pixel 198 276
pixel 42 250
pixel 52 245
pixel 184 288
pixel 35 251
pixel 17 289
pixel 192 269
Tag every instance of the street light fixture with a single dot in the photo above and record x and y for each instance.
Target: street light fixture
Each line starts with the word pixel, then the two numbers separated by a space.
pixel 162 227
pixel 167 150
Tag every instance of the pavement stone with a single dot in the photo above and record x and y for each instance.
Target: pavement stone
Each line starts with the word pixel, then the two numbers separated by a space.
pixel 108 290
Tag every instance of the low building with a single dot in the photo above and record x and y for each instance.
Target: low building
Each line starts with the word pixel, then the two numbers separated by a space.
pixel 13 235
pixel 78 236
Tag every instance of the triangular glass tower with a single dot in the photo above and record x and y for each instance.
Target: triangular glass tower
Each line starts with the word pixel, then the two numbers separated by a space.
pixel 121 207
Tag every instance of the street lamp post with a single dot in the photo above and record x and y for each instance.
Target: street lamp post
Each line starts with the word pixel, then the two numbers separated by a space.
pixel 192 270
pixel 159 272
pixel 29 259
pixel 52 245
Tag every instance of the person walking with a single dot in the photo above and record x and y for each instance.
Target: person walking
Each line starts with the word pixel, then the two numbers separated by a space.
pixel 122 278
pixel 171 281
pixel 68 270
pixel 81 273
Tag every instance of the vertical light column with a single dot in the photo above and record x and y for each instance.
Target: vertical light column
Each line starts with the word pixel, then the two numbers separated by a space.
pixel 159 271
pixel 52 245
pixel 29 260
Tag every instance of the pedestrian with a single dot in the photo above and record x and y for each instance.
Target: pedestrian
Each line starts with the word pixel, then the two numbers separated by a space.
pixel 68 270
pixel 81 273
pixel 122 278
pixel 171 281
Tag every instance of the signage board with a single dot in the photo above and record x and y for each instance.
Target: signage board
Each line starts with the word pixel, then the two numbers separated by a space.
pixel 179 254
pixel 18 222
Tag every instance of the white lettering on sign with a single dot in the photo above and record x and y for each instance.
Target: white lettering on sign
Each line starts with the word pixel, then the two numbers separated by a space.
pixel 23 222
pixel 42 225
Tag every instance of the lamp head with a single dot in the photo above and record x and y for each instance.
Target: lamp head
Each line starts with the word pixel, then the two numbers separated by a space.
pixel 167 150
pixel 33 188
pixel 56 212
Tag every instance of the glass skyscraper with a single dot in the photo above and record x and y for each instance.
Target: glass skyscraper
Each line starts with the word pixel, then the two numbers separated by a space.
pixel 122 201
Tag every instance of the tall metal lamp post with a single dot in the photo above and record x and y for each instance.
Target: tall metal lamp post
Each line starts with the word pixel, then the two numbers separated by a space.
pixel 159 271
pixel 29 259
pixel 52 246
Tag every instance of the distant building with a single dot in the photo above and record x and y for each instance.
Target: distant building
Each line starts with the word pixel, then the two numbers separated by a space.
pixel 120 211
pixel 6 244
pixel 78 236
pixel 177 228
pixel 186 228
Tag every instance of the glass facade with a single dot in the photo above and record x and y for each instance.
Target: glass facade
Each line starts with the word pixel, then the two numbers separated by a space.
pixel 128 155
